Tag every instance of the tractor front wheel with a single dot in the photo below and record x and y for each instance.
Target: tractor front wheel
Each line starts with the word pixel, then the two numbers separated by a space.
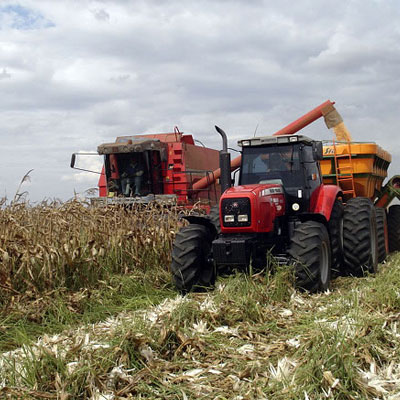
pixel 311 253
pixel 359 237
pixel 192 268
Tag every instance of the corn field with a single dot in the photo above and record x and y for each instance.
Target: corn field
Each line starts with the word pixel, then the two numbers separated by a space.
pixel 73 245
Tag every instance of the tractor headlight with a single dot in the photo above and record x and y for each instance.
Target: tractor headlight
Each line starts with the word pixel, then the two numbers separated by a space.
pixel 229 218
pixel 243 218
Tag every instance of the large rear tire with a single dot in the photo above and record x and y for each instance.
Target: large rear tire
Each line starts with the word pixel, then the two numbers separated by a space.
pixel 335 226
pixel 382 234
pixel 311 252
pixel 359 237
pixel 394 228
pixel 191 267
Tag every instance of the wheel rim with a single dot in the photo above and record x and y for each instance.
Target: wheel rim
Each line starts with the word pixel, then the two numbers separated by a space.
pixel 324 269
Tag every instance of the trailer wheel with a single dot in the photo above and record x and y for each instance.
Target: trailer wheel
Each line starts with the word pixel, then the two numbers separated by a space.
pixel 382 234
pixel 214 217
pixel 394 228
pixel 335 226
pixel 359 237
pixel 192 268
pixel 311 252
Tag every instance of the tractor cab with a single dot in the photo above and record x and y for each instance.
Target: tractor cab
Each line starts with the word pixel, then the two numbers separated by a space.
pixel 288 160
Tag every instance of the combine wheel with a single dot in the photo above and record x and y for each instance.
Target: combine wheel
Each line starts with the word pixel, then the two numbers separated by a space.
pixel 192 268
pixel 394 228
pixel 335 226
pixel 382 234
pixel 311 253
pixel 359 237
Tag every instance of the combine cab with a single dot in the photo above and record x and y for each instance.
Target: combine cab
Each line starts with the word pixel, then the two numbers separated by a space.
pixel 159 167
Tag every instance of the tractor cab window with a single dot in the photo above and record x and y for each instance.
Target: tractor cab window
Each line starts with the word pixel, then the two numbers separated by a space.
pixel 263 164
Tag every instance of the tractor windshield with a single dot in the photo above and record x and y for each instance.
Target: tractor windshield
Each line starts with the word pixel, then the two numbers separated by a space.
pixel 271 163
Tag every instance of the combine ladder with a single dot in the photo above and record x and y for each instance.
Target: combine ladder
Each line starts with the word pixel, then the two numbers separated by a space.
pixel 344 170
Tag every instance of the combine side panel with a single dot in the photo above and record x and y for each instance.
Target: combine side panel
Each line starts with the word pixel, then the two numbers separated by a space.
pixel 187 164
pixel 199 163
pixel 174 182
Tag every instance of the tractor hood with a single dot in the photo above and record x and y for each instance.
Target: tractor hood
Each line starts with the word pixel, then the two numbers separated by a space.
pixel 251 208
pixel 134 146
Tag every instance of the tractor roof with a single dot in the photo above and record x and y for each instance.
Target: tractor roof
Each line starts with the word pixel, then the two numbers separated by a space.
pixel 273 140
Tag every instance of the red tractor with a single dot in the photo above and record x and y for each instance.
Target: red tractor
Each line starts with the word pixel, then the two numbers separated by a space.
pixel 283 207
pixel 280 206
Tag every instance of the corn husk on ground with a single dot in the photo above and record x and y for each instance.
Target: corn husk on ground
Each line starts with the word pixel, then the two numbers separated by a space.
pixel 96 326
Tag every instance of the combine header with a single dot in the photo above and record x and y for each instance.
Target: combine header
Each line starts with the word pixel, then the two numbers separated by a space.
pixel 318 206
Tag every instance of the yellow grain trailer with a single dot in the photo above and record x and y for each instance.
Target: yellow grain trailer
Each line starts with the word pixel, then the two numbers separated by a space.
pixel 360 169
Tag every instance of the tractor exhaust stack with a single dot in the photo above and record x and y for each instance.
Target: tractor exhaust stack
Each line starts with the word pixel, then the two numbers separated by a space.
pixel 224 162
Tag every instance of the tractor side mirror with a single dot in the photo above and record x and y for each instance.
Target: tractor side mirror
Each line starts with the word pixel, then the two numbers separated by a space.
pixel 318 151
pixel 73 158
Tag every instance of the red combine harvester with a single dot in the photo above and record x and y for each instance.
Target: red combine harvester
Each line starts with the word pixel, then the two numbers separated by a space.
pixel 320 208
pixel 163 167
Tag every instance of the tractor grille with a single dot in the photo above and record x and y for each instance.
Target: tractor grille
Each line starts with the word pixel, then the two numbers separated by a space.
pixel 236 212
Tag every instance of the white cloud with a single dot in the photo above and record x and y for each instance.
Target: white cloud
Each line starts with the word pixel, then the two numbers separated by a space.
pixel 101 14
pixel 4 74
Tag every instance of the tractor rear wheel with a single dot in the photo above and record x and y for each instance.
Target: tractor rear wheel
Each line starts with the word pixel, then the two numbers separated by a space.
pixel 394 228
pixel 381 233
pixel 335 226
pixel 311 252
pixel 359 237
pixel 192 268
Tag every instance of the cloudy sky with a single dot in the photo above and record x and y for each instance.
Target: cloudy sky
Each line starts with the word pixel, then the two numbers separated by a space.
pixel 77 73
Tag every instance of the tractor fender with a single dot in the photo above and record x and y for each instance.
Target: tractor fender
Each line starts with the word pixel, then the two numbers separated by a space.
pixel 323 198
pixel 200 220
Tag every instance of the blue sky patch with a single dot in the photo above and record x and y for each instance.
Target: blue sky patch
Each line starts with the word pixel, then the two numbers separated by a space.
pixel 22 18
